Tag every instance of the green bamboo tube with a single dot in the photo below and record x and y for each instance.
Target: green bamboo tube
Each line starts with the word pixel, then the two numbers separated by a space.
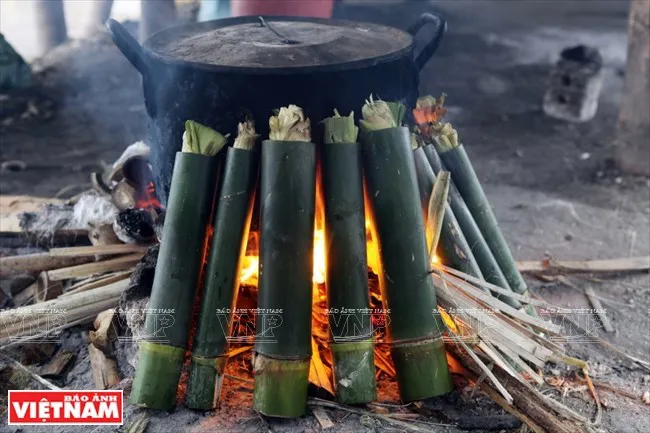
pixel 280 386
pixel 482 254
pixel 283 342
pixel 453 248
pixel 408 289
pixel 465 179
pixel 177 271
pixel 231 224
pixel 348 302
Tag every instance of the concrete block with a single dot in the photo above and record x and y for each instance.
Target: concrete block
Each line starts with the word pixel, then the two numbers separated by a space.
pixel 575 84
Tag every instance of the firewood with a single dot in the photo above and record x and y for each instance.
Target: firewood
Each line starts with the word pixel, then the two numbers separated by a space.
pixel 626 264
pixel 539 415
pixel 59 365
pixel 600 311
pixel 88 269
pixel 104 332
pixel 322 417
pixel 47 289
pixel 105 374
pixel 94 282
pixel 98 250
pixel 34 263
pixel 23 323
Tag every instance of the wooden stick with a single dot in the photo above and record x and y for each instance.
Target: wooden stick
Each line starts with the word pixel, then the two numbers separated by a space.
pixel 607 265
pixel 93 283
pixel 104 369
pixel 37 263
pixel 600 311
pixel 536 412
pixel 98 250
pixel 322 417
pixel 35 376
pixel 88 269
pixel 59 364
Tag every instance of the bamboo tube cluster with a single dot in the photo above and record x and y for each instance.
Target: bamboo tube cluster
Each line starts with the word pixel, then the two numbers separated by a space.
pixel 468 202
pixel 231 223
pixel 417 348
pixel 177 272
pixel 405 191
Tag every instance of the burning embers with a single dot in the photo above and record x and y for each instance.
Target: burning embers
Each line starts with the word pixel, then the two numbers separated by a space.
pixel 131 187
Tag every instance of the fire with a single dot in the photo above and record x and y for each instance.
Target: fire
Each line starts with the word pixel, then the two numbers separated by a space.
pixel 318 275
pixel 249 269
pixel 147 198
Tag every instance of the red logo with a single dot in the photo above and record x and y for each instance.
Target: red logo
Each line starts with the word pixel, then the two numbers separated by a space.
pixel 66 407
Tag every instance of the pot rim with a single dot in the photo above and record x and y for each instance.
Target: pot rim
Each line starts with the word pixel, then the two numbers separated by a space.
pixel 151 55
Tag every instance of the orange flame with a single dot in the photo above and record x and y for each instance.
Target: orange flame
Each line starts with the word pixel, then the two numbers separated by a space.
pixel 147 198
pixel 249 269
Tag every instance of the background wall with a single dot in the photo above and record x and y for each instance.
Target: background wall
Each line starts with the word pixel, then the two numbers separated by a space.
pixel 17 21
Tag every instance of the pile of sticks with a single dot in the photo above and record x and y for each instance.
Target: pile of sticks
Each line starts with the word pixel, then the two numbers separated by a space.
pixel 75 283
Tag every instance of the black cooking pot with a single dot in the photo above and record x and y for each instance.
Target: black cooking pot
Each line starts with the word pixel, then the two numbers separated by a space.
pixel 218 72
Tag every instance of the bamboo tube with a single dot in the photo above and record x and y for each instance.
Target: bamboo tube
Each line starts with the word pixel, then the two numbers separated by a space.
pixel 348 304
pixel 467 195
pixel 458 163
pixel 453 247
pixel 482 254
pixel 417 347
pixel 37 263
pixel 177 272
pixel 231 224
pixel 283 328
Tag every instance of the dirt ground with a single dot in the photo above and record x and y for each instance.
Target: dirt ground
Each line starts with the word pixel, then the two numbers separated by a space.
pixel 552 184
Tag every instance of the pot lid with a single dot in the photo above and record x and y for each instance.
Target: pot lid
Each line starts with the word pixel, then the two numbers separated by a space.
pixel 291 43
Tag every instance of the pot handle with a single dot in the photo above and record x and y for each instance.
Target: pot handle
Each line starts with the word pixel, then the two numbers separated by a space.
pixel 127 44
pixel 441 27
